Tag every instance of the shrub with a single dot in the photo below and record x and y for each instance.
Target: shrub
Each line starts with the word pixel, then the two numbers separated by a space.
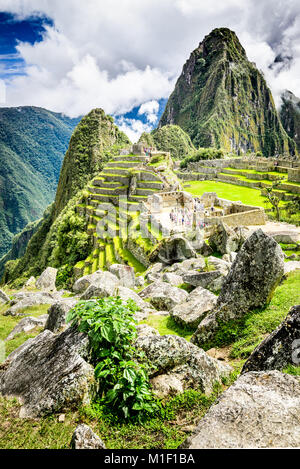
pixel 202 154
pixel 120 368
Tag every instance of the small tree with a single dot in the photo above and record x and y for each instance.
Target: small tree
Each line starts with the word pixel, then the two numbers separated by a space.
pixel 270 193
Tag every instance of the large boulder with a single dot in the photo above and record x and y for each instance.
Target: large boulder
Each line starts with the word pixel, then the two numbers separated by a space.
pixel 27 324
pixel 211 280
pixel 175 356
pixel 104 285
pixel 172 279
pixel 85 438
pixel 3 297
pixel 47 280
pixel 154 272
pixel 280 348
pixel 250 284
pixel 125 274
pixel 57 314
pixel 191 312
pixel 48 373
pixel 84 282
pixel 225 239
pixel 25 300
pixel 260 410
pixel 143 307
pixel 173 249
pixel 163 296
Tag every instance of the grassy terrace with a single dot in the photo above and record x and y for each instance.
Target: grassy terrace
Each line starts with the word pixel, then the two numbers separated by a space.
pixel 224 190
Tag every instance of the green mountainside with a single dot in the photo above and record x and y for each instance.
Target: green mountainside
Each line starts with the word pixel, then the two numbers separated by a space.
pixel 62 238
pixel 33 142
pixel 94 141
pixel 170 138
pixel 222 100
pixel 290 116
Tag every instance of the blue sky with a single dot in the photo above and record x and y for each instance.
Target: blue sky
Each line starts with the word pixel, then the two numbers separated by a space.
pixel 12 31
pixel 125 56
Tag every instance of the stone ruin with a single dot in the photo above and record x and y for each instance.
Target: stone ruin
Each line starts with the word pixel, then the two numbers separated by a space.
pixel 210 208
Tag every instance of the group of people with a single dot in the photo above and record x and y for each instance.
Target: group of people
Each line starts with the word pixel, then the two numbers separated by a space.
pixel 181 216
pixel 191 217
pixel 148 151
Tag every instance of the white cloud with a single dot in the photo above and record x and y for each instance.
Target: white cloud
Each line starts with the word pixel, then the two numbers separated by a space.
pixel 117 54
pixel 150 109
pixel 133 128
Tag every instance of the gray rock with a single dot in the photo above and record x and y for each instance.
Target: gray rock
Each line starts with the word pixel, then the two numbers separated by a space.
pixel 126 294
pixel 250 284
pixel 85 438
pixel 219 264
pixel 144 330
pixel 173 249
pixel 163 296
pixel 225 239
pixel 25 300
pixel 27 324
pixel 260 410
pixel 202 279
pixel 125 274
pixel 84 282
pixel 172 279
pixel 57 314
pixel 171 354
pixel 154 272
pixel 285 237
pixel 104 285
pixel 191 312
pixel 30 283
pixel 47 280
pixel 167 385
pixel 196 263
pixel 48 373
pixel 139 281
pixel 3 297
pixel 280 348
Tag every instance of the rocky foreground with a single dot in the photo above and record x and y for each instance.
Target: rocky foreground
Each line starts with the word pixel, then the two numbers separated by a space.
pixel 53 371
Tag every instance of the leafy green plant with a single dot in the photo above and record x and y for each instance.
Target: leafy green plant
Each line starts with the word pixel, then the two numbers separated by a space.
pixel 121 370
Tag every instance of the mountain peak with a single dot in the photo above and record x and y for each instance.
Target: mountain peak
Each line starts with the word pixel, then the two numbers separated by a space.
pixel 222 100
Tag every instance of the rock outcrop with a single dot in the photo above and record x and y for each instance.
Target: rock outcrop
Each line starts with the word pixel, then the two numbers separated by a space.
pixel 47 280
pixel 260 410
pixel 174 357
pixel 163 296
pixel 85 438
pixel 253 277
pixel 3 297
pixel 191 312
pixel 125 274
pixel 23 300
pixel 280 348
pixel 173 249
pixel 48 373
pixel 57 314
pixel 27 324
pixel 225 239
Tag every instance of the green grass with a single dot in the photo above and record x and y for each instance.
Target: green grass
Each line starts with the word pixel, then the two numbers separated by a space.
pixel 246 195
pixel 246 333
pixel 7 324
pixel 165 431
pixel 166 326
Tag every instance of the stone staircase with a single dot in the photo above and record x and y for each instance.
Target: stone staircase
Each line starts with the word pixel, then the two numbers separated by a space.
pixel 112 213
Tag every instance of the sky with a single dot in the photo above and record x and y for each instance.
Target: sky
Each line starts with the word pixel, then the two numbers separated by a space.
pixel 125 56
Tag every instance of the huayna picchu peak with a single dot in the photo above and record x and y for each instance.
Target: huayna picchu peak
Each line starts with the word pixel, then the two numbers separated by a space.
pixel 222 100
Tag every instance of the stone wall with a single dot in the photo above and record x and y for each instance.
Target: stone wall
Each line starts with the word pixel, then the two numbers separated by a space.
pixel 248 218
pixel 294 175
